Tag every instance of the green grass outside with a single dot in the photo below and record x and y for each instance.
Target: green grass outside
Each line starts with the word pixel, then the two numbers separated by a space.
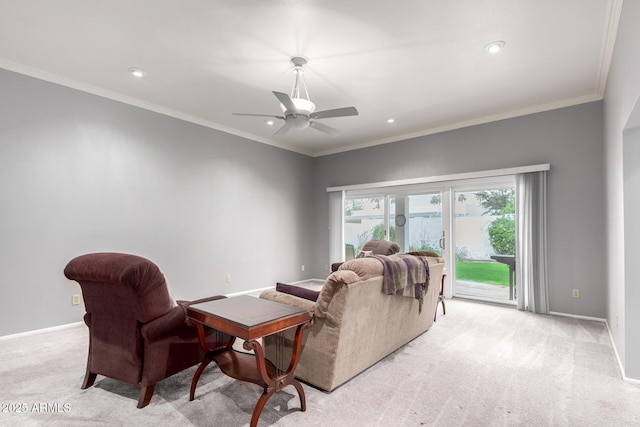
pixel 493 273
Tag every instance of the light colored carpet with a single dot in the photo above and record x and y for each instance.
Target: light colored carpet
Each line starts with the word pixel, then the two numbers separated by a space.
pixel 480 365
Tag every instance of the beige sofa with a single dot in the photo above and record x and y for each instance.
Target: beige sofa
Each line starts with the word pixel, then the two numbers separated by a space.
pixel 355 324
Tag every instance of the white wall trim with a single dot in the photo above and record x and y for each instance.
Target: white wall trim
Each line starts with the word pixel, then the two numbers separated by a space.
pixel 443 178
pixel 71 325
pixel 613 343
pixel 38 331
pixel 259 290
pixel 614 12
pixel 253 291
pixel 620 365
pixel 95 90
pixel 468 123
pixel 114 96
pixel 577 316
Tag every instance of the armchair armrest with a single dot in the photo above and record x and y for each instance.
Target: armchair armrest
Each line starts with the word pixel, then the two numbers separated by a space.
pixel 184 304
pixel 163 326
pixel 172 321
pixel 198 301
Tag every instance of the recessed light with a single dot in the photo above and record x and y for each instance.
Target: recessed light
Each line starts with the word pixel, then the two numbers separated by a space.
pixel 270 122
pixel 494 47
pixel 137 72
pixel 390 120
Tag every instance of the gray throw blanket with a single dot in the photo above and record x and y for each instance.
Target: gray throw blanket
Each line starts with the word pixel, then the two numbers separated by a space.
pixel 405 275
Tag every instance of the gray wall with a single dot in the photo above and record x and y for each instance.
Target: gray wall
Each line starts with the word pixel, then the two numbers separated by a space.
pixel 570 139
pixel 622 184
pixel 80 173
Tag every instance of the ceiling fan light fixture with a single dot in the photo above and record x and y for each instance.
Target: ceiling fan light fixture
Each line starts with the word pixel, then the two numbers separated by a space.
pixel 494 47
pixel 305 106
pixel 299 93
pixel 137 72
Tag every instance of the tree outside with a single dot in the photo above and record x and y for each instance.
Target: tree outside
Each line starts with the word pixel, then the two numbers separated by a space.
pixel 502 231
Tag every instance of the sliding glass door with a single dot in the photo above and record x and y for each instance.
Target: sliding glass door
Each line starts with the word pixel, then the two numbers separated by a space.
pixel 413 220
pixel 484 243
pixel 478 214
pixel 417 221
pixel 364 220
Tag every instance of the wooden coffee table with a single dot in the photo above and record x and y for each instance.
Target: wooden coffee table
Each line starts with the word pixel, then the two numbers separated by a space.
pixel 250 318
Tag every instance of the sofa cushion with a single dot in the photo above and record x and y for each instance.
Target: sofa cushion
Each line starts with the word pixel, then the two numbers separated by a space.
pixel 381 247
pixel 363 254
pixel 364 267
pixel 298 291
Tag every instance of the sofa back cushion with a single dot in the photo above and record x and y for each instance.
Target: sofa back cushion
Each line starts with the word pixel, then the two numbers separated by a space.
pixel 381 247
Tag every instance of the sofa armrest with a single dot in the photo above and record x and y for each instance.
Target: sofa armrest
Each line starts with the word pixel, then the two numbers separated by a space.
pixel 281 297
pixel 336 265
pixel 332 285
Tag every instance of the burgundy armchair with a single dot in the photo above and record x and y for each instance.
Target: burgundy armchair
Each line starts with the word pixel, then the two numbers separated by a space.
pixel 137 332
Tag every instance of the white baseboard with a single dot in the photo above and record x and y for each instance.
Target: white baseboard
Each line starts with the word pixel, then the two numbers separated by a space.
pixel 310 282
pixel 38 331
pixel 620 365
pixel 253 291
pixel 630 380
pixel 320 282
pixel 577 316
pixel 69 325
pixel 613 343
pixel 257 291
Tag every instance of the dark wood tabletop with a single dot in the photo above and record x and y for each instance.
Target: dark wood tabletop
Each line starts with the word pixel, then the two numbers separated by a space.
pixel 247 317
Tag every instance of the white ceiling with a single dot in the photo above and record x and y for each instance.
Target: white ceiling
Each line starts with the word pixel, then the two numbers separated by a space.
pixel 420 61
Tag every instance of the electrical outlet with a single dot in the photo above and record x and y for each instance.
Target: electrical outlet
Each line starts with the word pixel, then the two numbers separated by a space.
pixel 228 278
pixel 302 267
pixel 75 299
pixel 576 293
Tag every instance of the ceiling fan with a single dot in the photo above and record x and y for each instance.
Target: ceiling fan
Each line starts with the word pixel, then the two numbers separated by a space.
pixel 298 110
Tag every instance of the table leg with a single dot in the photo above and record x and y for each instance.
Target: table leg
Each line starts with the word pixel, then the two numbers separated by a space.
pixel 207 359
pixel 196 378
pixel 273 385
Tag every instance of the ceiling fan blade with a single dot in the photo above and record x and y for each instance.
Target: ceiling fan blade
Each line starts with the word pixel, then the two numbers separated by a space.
pixel 338 112
pixel 286 101
pixel 284 129
pixel 324 128
pixel 258 115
